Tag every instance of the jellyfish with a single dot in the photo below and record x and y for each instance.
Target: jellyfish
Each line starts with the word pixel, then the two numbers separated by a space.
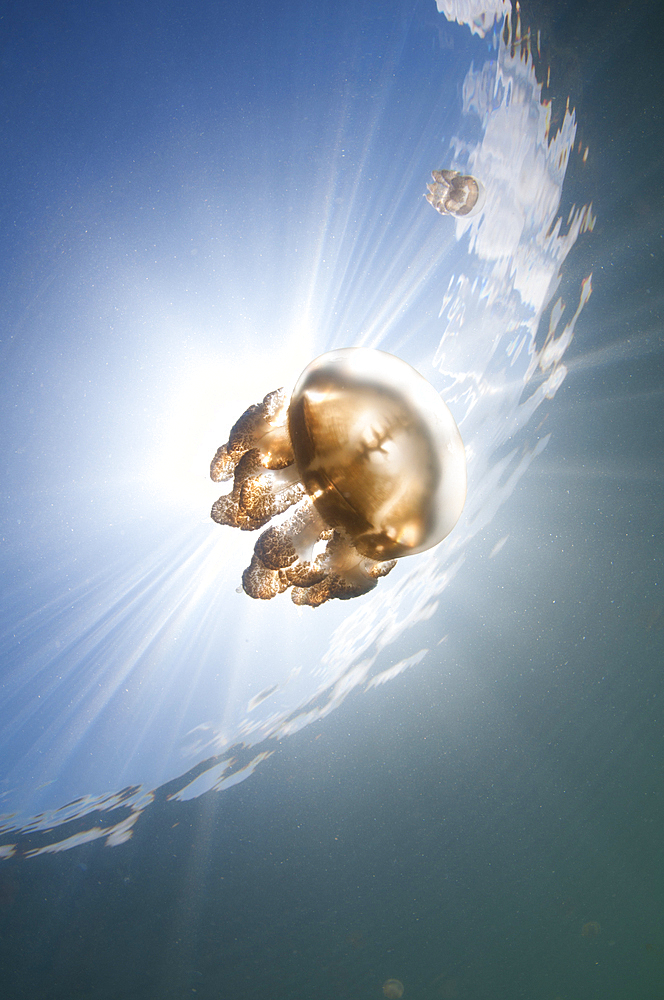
pixel 393 989
pixel 453 193
pixel 371 461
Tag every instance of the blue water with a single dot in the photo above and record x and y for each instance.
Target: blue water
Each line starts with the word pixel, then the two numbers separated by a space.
pixel 457 786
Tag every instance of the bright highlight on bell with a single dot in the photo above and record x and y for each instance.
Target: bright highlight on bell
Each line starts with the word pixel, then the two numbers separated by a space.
pixel 373 459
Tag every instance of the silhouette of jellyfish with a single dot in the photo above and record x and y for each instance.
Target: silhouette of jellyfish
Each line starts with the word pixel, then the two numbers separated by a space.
pixel 373 459
pixel 453 193
pixel 393 989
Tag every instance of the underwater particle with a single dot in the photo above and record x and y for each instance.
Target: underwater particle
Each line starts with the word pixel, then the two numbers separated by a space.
pixel 453 193
pixel 393 989
pixel 590 929
pixel 371 456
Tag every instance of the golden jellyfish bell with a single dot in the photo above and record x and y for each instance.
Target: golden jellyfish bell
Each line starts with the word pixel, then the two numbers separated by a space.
pixel 369 456
pixel 378 451
pixel 393 989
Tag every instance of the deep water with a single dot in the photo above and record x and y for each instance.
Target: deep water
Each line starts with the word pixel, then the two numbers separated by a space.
pixel 456 843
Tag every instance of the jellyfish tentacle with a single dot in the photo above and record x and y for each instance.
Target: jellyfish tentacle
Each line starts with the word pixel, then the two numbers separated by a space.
pixel 348 574
pixel 262 583
pixel 329 588
pixel 345 562
pixel 339 572
pixel 222 465
pixel 380 569
pixel 262 426
pixel 227 509
pixel 275 549
pixel 287 550
pixel 264 578
pixel 303 574
pixel 268 493
pixel 294 540
pixel 258 493
pixel 259 456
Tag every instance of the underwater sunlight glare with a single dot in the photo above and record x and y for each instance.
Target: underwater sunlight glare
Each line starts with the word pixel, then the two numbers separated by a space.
pixel 135 661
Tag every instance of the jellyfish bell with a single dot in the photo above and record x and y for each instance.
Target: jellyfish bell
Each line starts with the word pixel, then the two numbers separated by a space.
pixel 456 194
pixel 393 989
pixel 373 459
pixel 378 451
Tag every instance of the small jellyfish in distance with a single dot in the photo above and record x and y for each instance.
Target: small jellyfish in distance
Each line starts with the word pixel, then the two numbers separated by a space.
pixel 372 461
pixel 393 989
pixel 453 193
